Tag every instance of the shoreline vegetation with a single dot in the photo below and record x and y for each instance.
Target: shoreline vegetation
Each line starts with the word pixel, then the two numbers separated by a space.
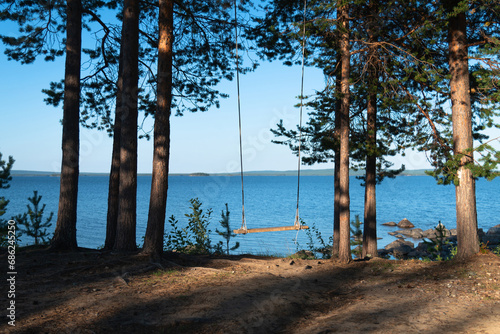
pixel 306 172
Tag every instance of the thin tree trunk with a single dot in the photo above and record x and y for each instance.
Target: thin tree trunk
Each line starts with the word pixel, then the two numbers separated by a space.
pixel 344 202
pixel 153 242
pixel 336 179
pixel 467 237
pixel 370 213
pixel 114 175
pixel 126 224
pixel 65 232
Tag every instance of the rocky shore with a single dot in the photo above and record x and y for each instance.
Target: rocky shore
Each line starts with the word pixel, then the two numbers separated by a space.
pixel 439 242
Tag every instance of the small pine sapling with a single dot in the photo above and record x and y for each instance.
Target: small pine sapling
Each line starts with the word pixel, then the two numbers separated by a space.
pixel 227 233
pixel 31 223
pixel 356 236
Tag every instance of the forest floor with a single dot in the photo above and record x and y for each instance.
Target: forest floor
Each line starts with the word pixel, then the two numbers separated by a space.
pixel 100 292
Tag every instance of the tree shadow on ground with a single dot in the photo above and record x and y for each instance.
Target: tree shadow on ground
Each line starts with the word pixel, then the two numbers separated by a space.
pixel 245 295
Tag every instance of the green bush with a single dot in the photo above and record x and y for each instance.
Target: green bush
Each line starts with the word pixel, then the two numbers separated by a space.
pixel 314 235
pixel 194 238
pixel 497 250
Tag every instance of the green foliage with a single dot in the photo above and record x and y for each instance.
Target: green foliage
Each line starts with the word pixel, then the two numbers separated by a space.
pixel 356 237
pixel 313 236
pixel 194 238
pixel 483 248
pixel 497 250
pixel 32 223
pixel 440 248
pixel 198 222
pixel 227 232
pixel 176 239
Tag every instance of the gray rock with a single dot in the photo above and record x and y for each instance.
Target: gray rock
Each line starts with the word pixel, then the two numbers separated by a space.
pixel 495 230
pixel 393 233
pixel 304 254
pixel 415 254
pixel 390 224
pixel 405 223
pixel 399 236
pixel 398 243
pixel 492 237
pixel 417 233
pixel 430 233
pixel 402 251
pixel 411 233
pixel 382 252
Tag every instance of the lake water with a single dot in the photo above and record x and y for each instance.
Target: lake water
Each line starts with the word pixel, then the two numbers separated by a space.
pixel 269 201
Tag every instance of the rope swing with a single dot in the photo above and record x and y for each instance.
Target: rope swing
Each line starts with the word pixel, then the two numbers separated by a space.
pixel 297 225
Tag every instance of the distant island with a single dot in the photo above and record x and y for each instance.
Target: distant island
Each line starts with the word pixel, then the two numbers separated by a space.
pixel 304 172
pixel 199 174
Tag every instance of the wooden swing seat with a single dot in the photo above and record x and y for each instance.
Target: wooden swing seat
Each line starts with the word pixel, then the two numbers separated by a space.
pixel 270 229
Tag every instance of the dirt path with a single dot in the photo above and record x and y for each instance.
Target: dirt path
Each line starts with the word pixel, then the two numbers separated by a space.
pixel 93 292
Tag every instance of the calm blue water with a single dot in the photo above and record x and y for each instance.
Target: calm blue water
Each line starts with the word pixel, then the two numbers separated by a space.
pixel 269 201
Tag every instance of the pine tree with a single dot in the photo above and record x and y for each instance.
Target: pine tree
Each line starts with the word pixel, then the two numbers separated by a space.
pixel 153 242
pixel 32 224
pixel 227 232
pixel 65 233
pixel 127 198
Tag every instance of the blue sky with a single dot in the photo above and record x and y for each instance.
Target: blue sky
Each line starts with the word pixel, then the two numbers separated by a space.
pixel 206 142
pixel 202 142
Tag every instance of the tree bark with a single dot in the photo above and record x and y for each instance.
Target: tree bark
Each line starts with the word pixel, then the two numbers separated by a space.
pixel 344 200
pixel 127 199
pixel 467 237
pixel 153 242
pixel 336 181
pixel 65 232
pixel 114 174
pixel 370 213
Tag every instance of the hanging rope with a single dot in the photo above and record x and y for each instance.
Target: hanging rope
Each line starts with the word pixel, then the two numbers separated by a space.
pixel 243 221
pixel 297 219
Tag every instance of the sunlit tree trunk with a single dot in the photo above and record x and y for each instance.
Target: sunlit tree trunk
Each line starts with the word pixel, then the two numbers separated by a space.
pixel 336 181
pixel 344 201
pixel 370 212
pixel 467 237
pixel 65 232
pixel 153 242
pixel 127 199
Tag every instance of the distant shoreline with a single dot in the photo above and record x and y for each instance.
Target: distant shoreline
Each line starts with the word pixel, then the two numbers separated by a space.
pixel 306 172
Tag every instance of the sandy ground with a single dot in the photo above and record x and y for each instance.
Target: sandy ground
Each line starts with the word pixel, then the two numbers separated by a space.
pixel 99 292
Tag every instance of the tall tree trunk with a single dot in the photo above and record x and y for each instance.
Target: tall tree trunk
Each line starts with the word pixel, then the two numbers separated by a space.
pixel 153 242
pixel 65 232
pixel 370 213
pixel 336 178
pixel 467 237
pixel 114 174
pixel 127 199
pixel 344 201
